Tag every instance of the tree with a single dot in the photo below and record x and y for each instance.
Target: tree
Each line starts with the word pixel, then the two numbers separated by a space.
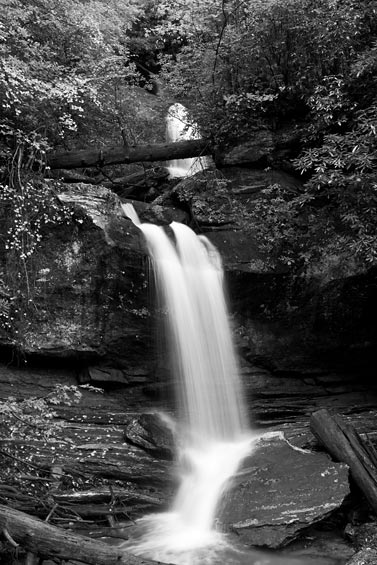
pixel 71 73
pixel 58 60
pixel 246 64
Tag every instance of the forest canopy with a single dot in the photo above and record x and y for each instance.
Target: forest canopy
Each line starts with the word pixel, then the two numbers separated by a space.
pixel 72 73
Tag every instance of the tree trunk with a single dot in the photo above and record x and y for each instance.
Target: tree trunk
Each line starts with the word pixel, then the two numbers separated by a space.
pixel 344 444
pixel 129 154
pixel 48 541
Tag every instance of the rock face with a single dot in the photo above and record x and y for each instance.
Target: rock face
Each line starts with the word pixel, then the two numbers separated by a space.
pixel 289 323
pixel 283 321
pixel 90 287
pixel 281 490
pixel 92 292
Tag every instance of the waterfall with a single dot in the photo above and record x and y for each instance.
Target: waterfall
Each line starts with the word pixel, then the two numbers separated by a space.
pixel 207 367
pixel 179 127
pixel 189 276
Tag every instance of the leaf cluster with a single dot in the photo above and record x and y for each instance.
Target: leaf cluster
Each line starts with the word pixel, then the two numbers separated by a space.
pixel 35 417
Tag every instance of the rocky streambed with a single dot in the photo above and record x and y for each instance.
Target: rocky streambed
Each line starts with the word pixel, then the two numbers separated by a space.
pixel 111 460
pixel 105 458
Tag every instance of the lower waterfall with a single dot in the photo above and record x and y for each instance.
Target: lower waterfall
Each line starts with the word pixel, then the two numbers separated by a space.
pixel 215 436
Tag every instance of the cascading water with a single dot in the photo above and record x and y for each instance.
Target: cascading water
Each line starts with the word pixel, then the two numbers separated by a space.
pixel 190 278
pixel 179 127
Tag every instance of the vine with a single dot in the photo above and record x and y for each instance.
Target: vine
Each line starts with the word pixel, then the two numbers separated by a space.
pixel 29 204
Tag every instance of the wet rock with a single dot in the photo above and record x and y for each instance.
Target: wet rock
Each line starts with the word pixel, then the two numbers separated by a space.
pixel 363 536
pixel 247 183
pixel 106 375
pixel 156 213
pixel 366 556
pixel 322 541
pixel 152 433
pixel 258 148
pixel 207 197
pixel 279 491
pixel 295 324
pixel 290 322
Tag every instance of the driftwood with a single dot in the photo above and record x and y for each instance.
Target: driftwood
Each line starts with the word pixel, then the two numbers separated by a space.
pixel 345 444
pixel 129 154
pixel 151 175
pixel 47 541
pixel 102 495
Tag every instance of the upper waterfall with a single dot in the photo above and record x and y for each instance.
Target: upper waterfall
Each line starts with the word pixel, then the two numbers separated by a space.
pixel 179 126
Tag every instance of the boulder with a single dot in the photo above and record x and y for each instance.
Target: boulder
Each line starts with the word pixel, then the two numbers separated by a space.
pixel 206 195
pixel 365 556
pixel 363 536
pixel 247 183
pixel 364 539
pixel 258 148
pixel 281 490
pixel 153 433
pixel 155 213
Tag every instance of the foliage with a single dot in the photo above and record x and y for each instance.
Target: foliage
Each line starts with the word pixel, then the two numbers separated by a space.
pixel 257 50
pixel 69 67
pixel 334 218
pixel 59 60
pixel 62 67
pixel 26 428
pixel 70 76
pixel 246 65
pixel 29 206
pixel 342 190
pixel 36 417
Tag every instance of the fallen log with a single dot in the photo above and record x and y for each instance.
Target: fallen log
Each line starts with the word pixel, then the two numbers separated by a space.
pixel 48 541
pixel 344 444
pixel 72 177
pixel 129 154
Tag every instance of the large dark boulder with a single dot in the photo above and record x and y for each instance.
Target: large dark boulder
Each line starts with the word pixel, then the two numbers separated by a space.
pixel 279 491
pixel 257 149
